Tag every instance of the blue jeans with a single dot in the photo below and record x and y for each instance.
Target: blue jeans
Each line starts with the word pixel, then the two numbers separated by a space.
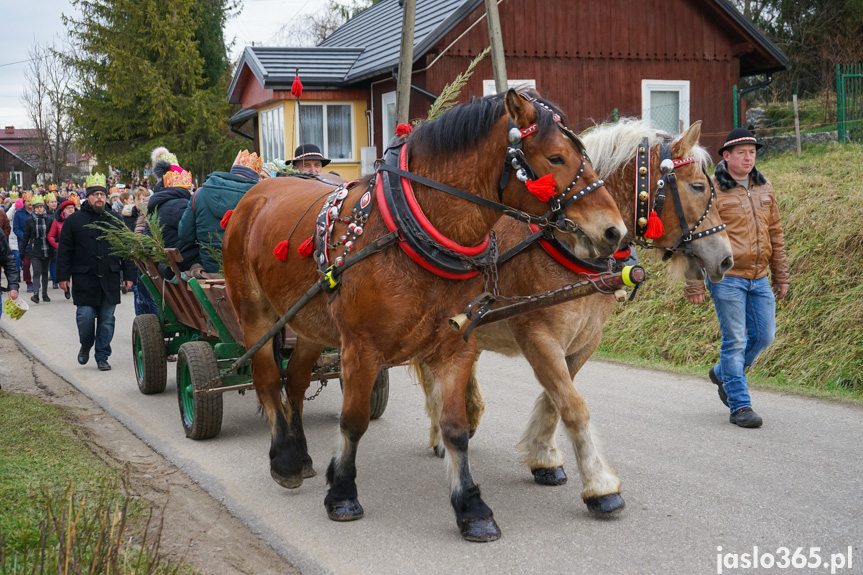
pixel 747 320
pixel 17 259
pixel 144 302
pixel 96 325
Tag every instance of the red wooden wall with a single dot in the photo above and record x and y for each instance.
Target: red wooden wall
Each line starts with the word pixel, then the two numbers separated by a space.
pixel 590 57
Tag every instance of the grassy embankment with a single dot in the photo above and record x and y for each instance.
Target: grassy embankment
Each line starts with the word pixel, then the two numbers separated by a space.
pixel 61 508
pixel 819 338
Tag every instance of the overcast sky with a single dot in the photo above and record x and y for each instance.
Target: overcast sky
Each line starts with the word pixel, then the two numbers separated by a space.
pixel 27 21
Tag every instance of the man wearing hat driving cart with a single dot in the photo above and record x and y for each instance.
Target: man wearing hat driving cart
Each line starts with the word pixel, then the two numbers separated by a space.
pixel 308 158
pixel 744 301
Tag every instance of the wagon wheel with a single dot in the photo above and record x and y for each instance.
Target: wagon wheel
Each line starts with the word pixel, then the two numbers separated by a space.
pixel 149 355
pixel 201 414
pixel 380 393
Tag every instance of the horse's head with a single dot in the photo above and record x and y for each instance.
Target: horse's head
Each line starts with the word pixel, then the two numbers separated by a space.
pixel 711 253
pixel 553 176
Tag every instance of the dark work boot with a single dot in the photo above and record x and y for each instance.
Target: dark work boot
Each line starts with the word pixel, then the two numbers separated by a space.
pixel 745 417
pixel 83 355
pixel 720 389
pixel 45 297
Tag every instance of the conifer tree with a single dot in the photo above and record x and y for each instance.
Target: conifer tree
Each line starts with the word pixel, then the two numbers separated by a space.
pixel 142 81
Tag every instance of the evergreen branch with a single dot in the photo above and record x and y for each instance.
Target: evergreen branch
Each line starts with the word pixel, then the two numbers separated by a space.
pixel 127 245
pixel 449 95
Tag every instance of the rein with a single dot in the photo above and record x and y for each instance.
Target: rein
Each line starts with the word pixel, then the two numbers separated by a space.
pixel 668 181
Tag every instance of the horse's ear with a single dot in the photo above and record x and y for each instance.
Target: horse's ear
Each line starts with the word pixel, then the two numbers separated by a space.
pixel 520 110
pixel 689 139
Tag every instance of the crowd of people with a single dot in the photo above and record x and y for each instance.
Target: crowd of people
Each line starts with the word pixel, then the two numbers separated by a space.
pixel 54 247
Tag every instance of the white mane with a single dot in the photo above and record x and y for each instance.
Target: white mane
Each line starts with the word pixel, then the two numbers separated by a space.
pixel 612 146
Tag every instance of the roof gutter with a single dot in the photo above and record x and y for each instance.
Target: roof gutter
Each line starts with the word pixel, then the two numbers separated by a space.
pixel 422 91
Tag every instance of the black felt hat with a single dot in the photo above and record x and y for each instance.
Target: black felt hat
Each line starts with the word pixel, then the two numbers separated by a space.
pixel 309 152
pixel 739 136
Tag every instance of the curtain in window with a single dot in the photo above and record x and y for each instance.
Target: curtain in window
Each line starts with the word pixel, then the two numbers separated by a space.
pixel 312 122
pixel 339 131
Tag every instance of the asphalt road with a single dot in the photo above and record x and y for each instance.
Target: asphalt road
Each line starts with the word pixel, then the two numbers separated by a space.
pixel 692 482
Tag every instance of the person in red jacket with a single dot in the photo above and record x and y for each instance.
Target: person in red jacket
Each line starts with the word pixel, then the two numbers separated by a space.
pixel 67 208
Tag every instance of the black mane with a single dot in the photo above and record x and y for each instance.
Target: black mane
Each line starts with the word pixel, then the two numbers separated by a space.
pixel 464 126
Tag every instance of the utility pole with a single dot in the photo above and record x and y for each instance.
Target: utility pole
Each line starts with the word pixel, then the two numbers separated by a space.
pixel 406 60
pixel 498 63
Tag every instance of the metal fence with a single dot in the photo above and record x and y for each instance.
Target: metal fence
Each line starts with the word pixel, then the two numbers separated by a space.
pixel 849 102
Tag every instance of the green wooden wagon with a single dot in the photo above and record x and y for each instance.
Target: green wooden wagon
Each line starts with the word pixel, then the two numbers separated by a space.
pixel 197 324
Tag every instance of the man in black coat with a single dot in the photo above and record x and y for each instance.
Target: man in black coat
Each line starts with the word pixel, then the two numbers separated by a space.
pixel 95 274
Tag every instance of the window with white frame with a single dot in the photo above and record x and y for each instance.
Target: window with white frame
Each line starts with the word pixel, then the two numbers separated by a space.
pixel 489 88
pixel 388 103
pixel 273 134
pixel 330 127
pixel 666 104
pixel 16 178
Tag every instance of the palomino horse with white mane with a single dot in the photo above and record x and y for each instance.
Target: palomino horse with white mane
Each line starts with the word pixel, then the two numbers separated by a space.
pixel 558 340
pixel 393 305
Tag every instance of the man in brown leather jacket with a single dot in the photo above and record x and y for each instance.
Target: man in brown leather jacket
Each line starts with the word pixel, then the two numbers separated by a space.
pixel 744 302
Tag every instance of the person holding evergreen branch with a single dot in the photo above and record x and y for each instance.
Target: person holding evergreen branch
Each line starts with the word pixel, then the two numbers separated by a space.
pixel 85 258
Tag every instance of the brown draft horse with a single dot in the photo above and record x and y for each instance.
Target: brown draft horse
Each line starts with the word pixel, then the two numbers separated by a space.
pixel 557 341
pixel 388 309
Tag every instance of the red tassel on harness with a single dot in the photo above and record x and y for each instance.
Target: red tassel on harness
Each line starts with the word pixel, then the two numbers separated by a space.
pixel 403 130
pixel 655 229
pixel 226 218
pixel 542 188
pixel 297 87
pixel 281 250
pixel 306 248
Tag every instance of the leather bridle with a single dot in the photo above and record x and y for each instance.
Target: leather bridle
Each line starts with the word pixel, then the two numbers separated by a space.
pixel 668 181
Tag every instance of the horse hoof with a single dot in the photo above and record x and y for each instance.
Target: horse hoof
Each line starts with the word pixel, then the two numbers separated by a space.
pixel 480 530
pixel 308 471
pixel 605 504
pixel 345 510
pixel 547 476
pixel 291 482
pixel 439 451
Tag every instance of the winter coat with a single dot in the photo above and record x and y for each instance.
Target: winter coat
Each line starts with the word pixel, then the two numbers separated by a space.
pixel 128 216
pixel 56 228
pixel 202 220
pixel 85 259
pixel 170 203
pixel 37 240
pixel 753 225
pixel 140 212
pixel 18 226
pixel 5 224
pixel 10 266
pixel 13 237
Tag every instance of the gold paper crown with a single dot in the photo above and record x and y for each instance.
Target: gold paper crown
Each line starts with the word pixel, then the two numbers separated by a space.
pixel 73 196
pixel 181 179
pixel 27 196
pixel 94 180
pixel 49 196
pixel 52 188
pixel 13 195
pixel 251 161
pixel 38 200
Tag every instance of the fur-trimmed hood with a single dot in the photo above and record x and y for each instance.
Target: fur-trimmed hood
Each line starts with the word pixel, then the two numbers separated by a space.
pixel 726 181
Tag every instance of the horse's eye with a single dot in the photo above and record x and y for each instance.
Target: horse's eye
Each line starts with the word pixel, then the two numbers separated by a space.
pixel 557 160
pixel 697 188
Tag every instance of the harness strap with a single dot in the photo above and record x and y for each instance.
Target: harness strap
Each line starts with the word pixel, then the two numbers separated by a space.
pixel 506 210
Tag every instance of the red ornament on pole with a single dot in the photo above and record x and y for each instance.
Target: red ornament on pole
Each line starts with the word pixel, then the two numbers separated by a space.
pixel 297 86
